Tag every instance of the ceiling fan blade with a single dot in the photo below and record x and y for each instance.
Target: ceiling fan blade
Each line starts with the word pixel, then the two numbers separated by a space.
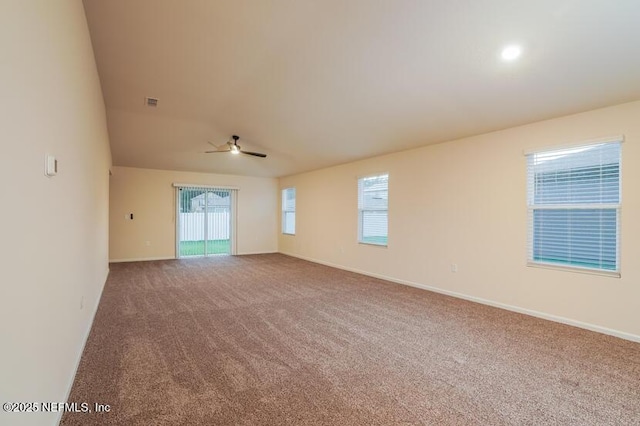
pixel 255 154
pixel 224 147
pixel 213 152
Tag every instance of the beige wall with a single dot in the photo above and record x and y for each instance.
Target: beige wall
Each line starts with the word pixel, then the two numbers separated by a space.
pixel 150 196
pixel 464 202
pixel 54 247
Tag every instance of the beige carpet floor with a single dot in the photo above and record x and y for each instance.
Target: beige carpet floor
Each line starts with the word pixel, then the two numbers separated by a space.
pixel 273 340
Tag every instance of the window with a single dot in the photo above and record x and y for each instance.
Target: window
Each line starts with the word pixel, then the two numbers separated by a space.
pixel 289 211
pixel 373 202
pixel 574 207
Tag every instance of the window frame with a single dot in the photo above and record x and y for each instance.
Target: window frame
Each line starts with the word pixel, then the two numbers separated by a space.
pixel 574 207
pixel 362 211
pixel 285 210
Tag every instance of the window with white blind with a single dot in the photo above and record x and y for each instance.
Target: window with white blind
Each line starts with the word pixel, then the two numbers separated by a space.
pixel 289 211
pixel 373 202
pixel 574 207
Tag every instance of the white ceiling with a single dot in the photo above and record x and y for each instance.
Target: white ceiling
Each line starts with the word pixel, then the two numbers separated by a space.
pixel 323 82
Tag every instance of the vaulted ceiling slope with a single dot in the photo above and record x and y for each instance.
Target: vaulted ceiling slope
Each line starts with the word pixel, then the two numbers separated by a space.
pixel 317 83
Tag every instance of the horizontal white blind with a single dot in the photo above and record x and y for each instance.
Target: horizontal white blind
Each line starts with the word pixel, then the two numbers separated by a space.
pixel 373 204
pixel 574 206
pixel 289 211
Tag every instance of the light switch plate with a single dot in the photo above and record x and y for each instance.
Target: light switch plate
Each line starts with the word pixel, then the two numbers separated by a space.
pixel 50 166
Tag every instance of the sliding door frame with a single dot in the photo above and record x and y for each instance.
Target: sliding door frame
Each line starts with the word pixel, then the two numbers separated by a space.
pixel 233 214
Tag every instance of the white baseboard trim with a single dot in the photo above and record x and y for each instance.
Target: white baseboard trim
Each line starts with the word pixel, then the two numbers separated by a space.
pixel 531 312
pixel 84 343
pixel 147 259
pixel 140 259
pixel 255 252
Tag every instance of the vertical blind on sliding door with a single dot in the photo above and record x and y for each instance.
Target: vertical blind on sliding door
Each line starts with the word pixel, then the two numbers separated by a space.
pixel 204 225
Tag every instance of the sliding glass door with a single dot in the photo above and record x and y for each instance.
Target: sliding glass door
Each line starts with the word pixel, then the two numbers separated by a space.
pixel 204 221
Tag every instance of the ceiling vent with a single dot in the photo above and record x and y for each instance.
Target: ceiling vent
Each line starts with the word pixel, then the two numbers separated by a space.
pixel 151 102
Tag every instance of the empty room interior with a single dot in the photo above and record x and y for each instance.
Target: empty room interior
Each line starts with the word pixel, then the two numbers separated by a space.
pixel 299 212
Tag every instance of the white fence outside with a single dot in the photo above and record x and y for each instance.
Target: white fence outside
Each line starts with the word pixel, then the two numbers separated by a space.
pixel 192 226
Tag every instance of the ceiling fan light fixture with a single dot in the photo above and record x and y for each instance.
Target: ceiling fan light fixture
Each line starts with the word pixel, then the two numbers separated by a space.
pixel 511 53
pixel 235 149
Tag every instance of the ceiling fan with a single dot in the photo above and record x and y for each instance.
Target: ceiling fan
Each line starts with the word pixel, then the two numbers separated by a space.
pixel 234 148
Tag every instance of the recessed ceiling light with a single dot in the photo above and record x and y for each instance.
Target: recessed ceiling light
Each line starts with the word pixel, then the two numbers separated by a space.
pixel 511 52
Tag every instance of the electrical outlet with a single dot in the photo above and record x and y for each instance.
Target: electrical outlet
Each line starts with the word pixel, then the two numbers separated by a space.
pixel 454 267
